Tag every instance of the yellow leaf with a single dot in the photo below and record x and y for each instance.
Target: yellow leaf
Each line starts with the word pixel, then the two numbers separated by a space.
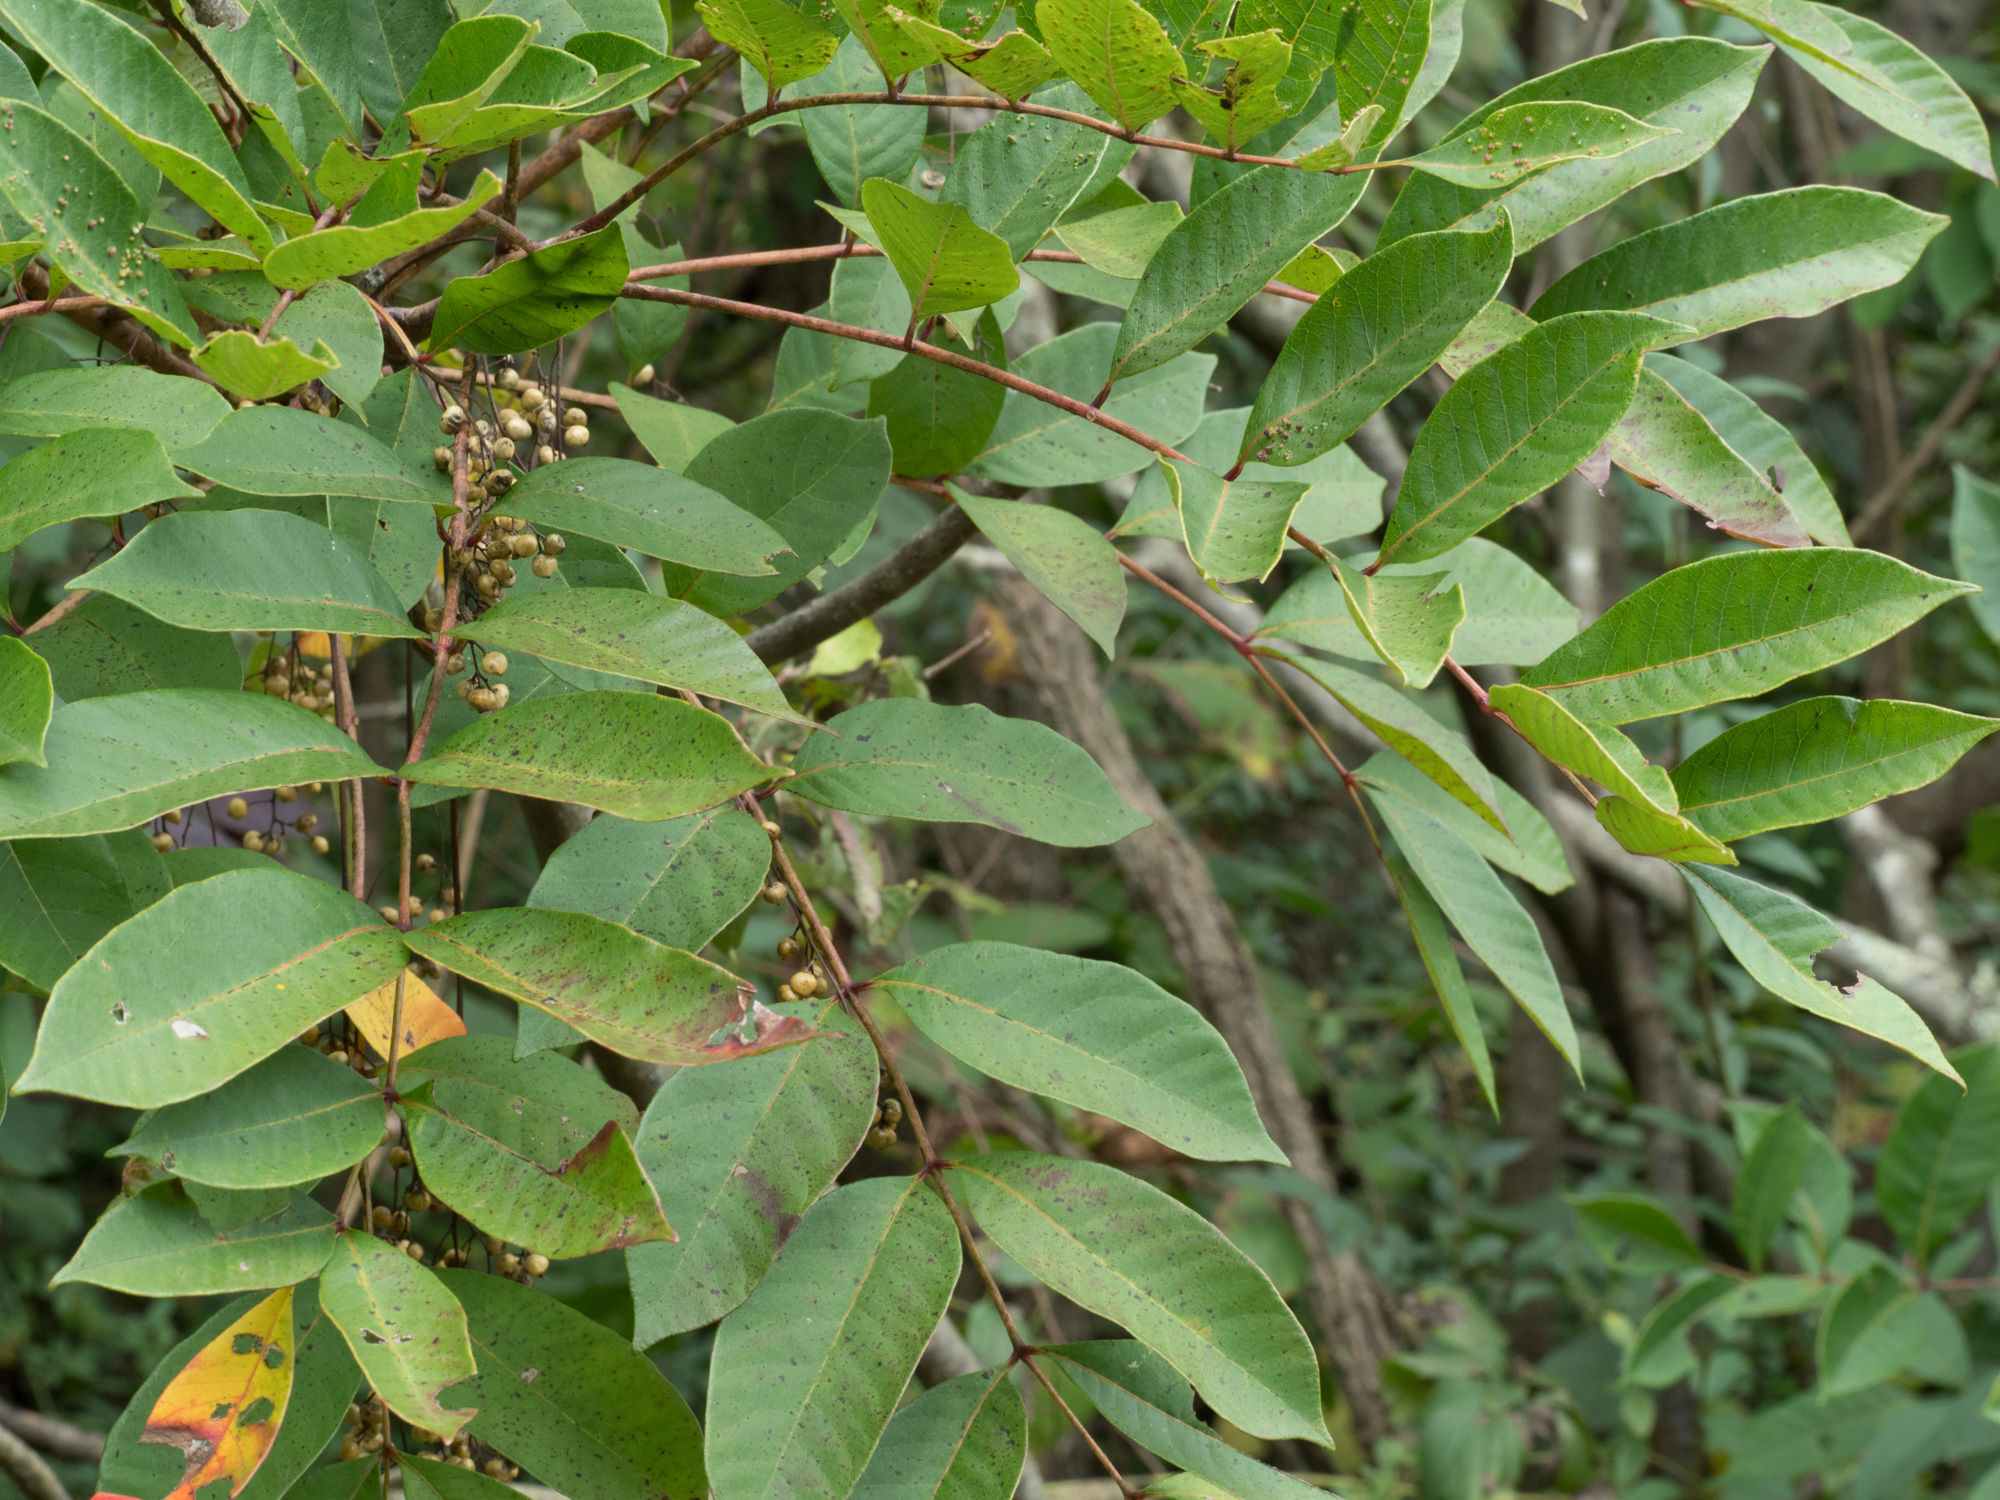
pixel 224 1409
pixel 426 1018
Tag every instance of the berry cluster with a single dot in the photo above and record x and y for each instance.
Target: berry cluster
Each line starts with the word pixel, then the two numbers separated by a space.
pixel 269 840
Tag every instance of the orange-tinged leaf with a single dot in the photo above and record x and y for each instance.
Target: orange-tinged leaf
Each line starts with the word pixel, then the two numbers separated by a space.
pixel 426 1018
pixel 224 1409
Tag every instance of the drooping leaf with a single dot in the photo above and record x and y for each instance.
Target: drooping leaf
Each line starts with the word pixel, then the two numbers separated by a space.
pixel 1775 935
pixel 1409 620
pixel 570 1401
pixel 1659 1350
pixel 628 634
pixel 1145 1398
pixel 946 261
pixel 1117 52
pixel 633 754
pixel 1529 849
pixel 294 1118
pixel 219 570
pixel 130 80
pixel 1016 176
pixel 1819 758
pixel 50 403
pixel 1942 1152
pixel 1433 940
pixel 535 300
pixel 636 996
pixel 739 1154
pixel 145 1020
pixel 1035 443
pixel 157 1244
pixel 778 40
pixel 1975 543
pixel 1234 529
pixel 1514 141
pixel 1096 1035
pixel 852 143
pixel 1696 85
pixel 59 896
pixel 1392 317
pixel 1514 424
pixel 403 1328
pixel 866 293
pixel 908 758
pixel 1771 1174
pixel 596 1200
pixel 1641 829
pixel 280 450
pixel 1222 254
pixel 679 882
pixel 1163 1271
pixel 118 761
pixel 806 1373
pixel 306 259
pixel 1486 914
pixel 1596 751
pixel 1734 626
pixel 225 1408
pixel 1667 445
pixel 648 509
pixel 92 472
pixel 1433 749
pixel 939 417
pixel 27 700
pixel 1060 554
pixel 963 1438
pixel 1786 254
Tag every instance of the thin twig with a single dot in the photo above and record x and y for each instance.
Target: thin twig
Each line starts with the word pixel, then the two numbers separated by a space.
pixel 63 606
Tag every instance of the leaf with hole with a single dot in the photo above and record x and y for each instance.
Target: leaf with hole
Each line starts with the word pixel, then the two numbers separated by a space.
pixel 404 1329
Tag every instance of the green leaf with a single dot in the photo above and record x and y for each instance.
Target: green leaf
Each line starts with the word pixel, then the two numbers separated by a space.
pixel 50 403
pixel 1513 425
pixel 1433 940
pixel 778 40
pixel 633 754
pixel 92 472
pixel 1512 613
pixel 143 1020
pixel 1942 1153
pixel 403 1328
pixel 294 1118
pixel 242 363
pixel 638 997
pixel 1596 751
pixel 1123 1249
pixel 629 634
pixel 535 300
pixel 1771 1174
pixel 938 417
pixel 105 646
pixel 433 1479
pixel 130 80
pixel 1122 242
pixel 157 1244
pixel 965 1439
pixel 568 1399
pixel 82 210
pixel 946 261
pixel 1530 850
pixel 1412 733
pixel 739 1154
pixel 1873 1328
pixel 1696 85
pixel 1379 45
pixel 119 761
pixel 854 142
pixel 1775 935
pixel 1786 254
pixel 1818 759
pixel 59 896
pixel 472 60
pixel 908 758
pixel 806 1373
pixel 1486 914
pixel 1514 141
pixel 1975 543
pixel 1408 619
pixel 1762 440
pixel 1735 626
pixel 1145 1398
pixel 1247 103
pixel 1096 1035
pixel 679 882
pixel 1646 830
pixel 1395 315
pixel 280 450
pixel 866 293
pixel 596 1200
pixel 650 510
pixel 1667 445
pixel 1060 554
pixel 1234 529
pixel 671 432
pixel 1222 254
pixel 1659 1352
pixel 809 476
pixel 1117 53
pixel 897 47
pixel 212 570
pixel 1643 1220
pixel 27 699
pixel 544 1107
pixel 344 249
pixel 1036 444
pixel 1016 175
